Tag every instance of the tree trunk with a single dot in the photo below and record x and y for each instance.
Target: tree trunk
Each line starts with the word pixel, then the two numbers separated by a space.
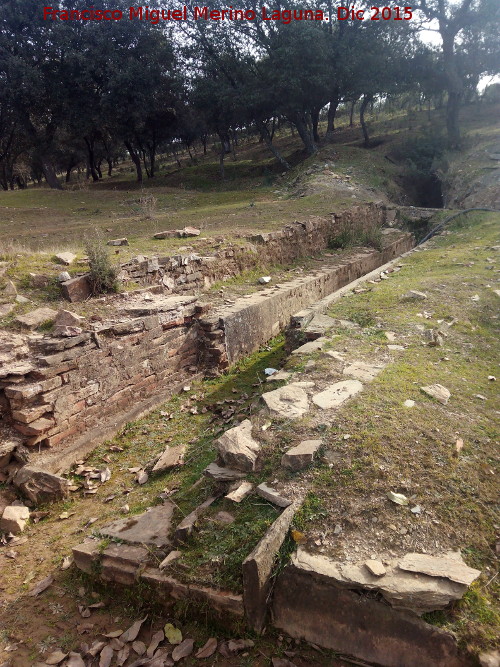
pixel 136 160
pixel 364 104
pixel 68 173
pixel 267 138
pixel 50 175
pixel 351 113
pixel 332 112
pixel 315 123
pixel 91 163
pixel 98 168
pixel 454 87
pixel 305 133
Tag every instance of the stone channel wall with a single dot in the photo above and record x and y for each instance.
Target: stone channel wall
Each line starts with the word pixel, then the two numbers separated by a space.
pixel 61 396
pixel 183 273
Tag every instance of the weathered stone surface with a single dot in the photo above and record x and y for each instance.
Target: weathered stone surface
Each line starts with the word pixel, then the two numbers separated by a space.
pixel 190 231
pixel 311 607
pixel 173 555
pixel 171 457
pixel 187 525
pixel 85 555
pixel 121 563
pixel 363 371
pixel 490 658
pixel 403 590
pixel 118 242
pixel 414 295
pixel 258 567
pixel 375 567
pixel 67 332
pixel 9 290
pixel 36 318
pixel 336 394
pixel 151 527
pixel 41 486
pixel 14 519
pixel 6 309
pixel 240 492
pixel 23 391
pixel 301 456
pixel 280 376
pixel 63 276
pixel 272 495
pixel 437 391
pixel 65 318
pixel 312 346
pixel 66 258
pixel 450 566
pixel 39 279
pixel 168 234
pixel 288 402
pixel 237 448
pixel 76 289
pixel 221 474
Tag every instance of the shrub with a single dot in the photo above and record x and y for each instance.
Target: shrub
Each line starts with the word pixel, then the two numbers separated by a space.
pixel 352 235
pixel 102 275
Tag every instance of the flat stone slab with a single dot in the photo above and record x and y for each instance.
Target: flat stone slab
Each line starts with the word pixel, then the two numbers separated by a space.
pixel 280 376
pixel 151 527
pixel 267 492
pixel 171 457
pixel 157 304
pixel 66 258
pixel 37 317
pixel 221 474
pixel 237 448
pixel 302 455
pixel 363 371
pixel 288 402
pixel 437 391
pixel 451 566
pixel 402 589
pixel 312 346
pixel 336 394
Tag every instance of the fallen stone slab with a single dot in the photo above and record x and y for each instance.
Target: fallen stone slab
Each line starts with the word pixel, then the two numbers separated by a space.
pixel 280 376
pixel 41 486
pixel 309 605
pixel 36 318
pixel 301 455
pixel 187 525
pixel 414 295
pixel 118 242
pixel 418 593
pixel 311 346
pixel 363 371
pixel 241 492
pixel 14 519
pixel 490 658
pixel 173 555
pixel 9 290
pixel 167 234
pixel 450 566
pixel 66 332
pixel 336 394
pixel 267 492
pixel 151 527
pixel 237 448
pixel 288 402
pixel 122 563
pixel 438 392
pixel 65 318
pixel 375 567
pixel 66 258
pixel 221 474
pixel 170 458
pixel 6 309
pixel 190 231
pixel 258 567
pixel 76 289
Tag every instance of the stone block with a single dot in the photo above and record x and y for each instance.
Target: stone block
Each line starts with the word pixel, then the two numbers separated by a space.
pixel 14 519
pixel 237 448
pixel 76 289
pixel 301 456
pixel 86 555
pixel 152 527
pixel 36 318
pixel 121 563
pixel 41 486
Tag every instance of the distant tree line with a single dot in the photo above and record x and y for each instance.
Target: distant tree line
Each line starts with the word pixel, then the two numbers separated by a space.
pixel 76 93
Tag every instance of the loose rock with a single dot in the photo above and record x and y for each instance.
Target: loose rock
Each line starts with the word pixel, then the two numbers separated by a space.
pixel 336 394
pixel 240 492
pixel 36 318
pixel 289 402
pixel 437 391
pixel 272 495
pixel 237 448
pixel 14 519
pixel 301 456
pixel 375 567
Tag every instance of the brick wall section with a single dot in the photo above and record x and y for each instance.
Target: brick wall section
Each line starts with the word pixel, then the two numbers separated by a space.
pixel 74 384
pixel 67 394
pixel 183 273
